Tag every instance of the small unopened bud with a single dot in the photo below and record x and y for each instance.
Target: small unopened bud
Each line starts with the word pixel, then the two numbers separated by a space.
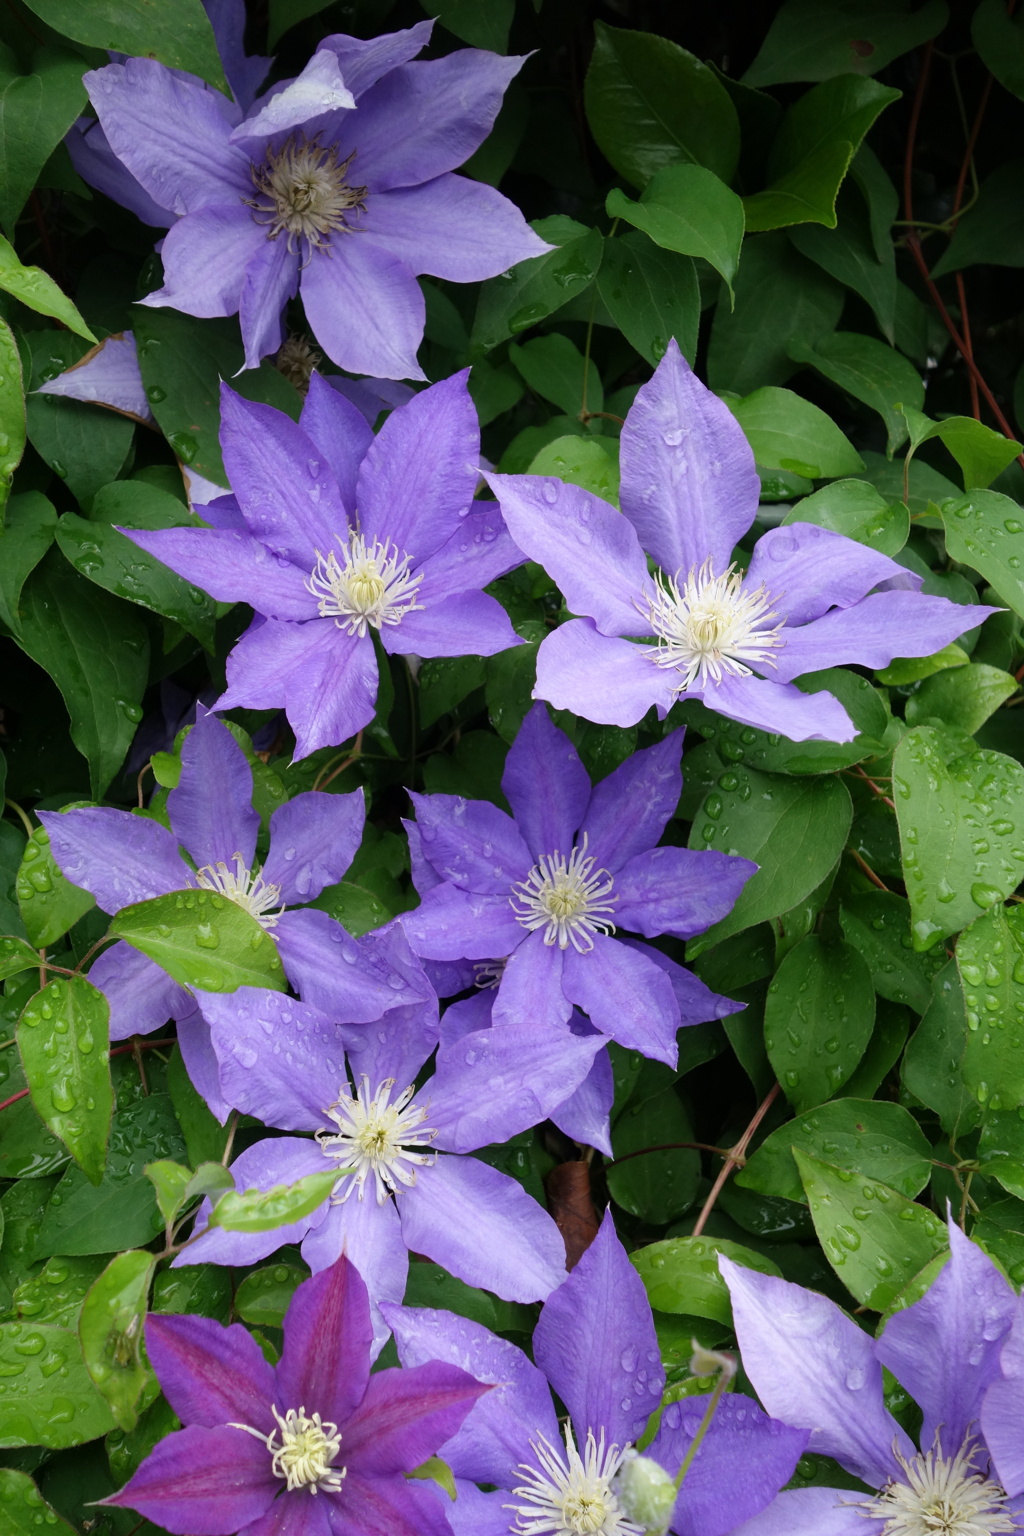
pixel 711 1362
pixel 647 1493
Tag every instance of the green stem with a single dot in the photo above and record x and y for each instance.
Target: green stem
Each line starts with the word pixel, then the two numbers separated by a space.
pixel 705 1425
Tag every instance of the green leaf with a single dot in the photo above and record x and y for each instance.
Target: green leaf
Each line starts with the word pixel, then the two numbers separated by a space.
pixel 63 1038
pixel 257 1210
pixel 818 1019
pixel 657 1186
pixel 681 1274
pixel 959 810
pixel 170 1181
pixel 984 530
pixel 31 523
pixel 511 676
pixel 12 419
pixel 55 1294
pixel 933 1062
pixel 37 289
pixel 981 452
pixel 111 1332
pixel 444 682
pixel 991 231
pixel 265 1295
pixel 877 923
pixel 1001 1150
pixel 48 902
pixel 356 908
pixel 990 958
pixel 24 1506
pixel 855 509
pixel 555 369
pixel 183 361
pixel 869 371
pixel 787 432
pixel 999 38
pixel 849 254
pixel 480 23
pixel 177 32
pixel 793 829
pixel 36 111
pixel 50 1398
pixel 649 104
pixel 866 1137
pixel 16 956
pixel 205 1137
pixel 202 940
pixel 494 390
pixel 651 294
pixel 436 1471
pixel 532 289
pixel 911 669
pixel 84 445
pixel 816 39
pixel 875 1238
pixel 961 697
pixel 96 649
pixel 688 209
pixel 592 462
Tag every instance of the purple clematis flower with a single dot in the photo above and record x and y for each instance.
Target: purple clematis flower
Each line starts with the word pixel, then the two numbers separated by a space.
pixel 813 1366
pixel 341 533
pixel 1002 1412
pixel 412 1187
pixel 339 182
pixel 548 886
pixel 595 1344
pixel 122 859
pixel 810 598
pixel 260 1439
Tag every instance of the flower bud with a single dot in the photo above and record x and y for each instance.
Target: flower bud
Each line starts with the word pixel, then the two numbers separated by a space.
pixel 647 1493
pixel 711 1362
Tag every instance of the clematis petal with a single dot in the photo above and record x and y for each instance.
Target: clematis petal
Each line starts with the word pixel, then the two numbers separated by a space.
pixel 406 1414
pixel 141 995
pixel 584 1115
pixel 119 858
pixel 245 72
pixel 208 1373
pixel 293 1516
pixel 211 808
pixel 477 553
pixel 203 1482
pixel 358 980
pixel 697 1003
pixel 200 1059
pixel 591 550
pixel 371 1237
pixel 96 163
pixel 276 1160
pixel 814 1368
pixel 205 256
pixel 264 659
pixel 873 631
pixel 313 840
pixel 475 1513
pixel 339 430
pixel 319 88
pixel 326 1355
pixel 280 1060
pixel 689 484
pixel 627 996
pixel 471 842
pixel 482 1227
pixel 452 924
pixel 650 783
pixel 808 570
pixel 530 989
pixel 546 785
pixel 271 279
pixel 812 1512
pixel 452 227
pixel 595 1342
pixel 780 707
pixel 680 891
pixel 363 280
pixel 387 1504
pixel 465 624
pixel 601 678
pixel 232 567
pixel 1002 1412
pixel 363 62
pixel 109 375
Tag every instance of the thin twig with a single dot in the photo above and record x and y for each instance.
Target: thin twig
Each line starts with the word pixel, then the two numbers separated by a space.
pixel 320 782
pixel 866 869
pixel 16 808
pixel 669 1146
pixel 232 1128
pixel 735 1158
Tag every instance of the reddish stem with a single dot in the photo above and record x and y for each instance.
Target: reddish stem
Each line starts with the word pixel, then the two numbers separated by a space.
pixel 735 1158
pixel 120 1050
pixel 866 869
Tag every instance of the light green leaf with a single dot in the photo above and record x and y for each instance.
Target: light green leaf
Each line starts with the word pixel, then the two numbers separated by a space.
pixel 911 669
pixel 871 1138
pixel 170 1180
pixel 816 39
pixel 877 923
pixel 681 1274
pixel 110 1328
pixel 591 462
pixel 870 371
pixel 12 414
pixel 48 902
pixel 64 1038
pixel 855 509
pixel 50 1398
pixel 177 32
pixel 25 1507
pixel 986 530
pixel 788 432
pixel 16 956
pixel 818 1019
pixel 688 209
pixel 961 697
pixel 555 369
pixel 651 294
pixel 981 453
pixel 202 940
pixel 36 111
pixel 990 958
pixel 256 1210
pixel 436 1471
pixel 37 289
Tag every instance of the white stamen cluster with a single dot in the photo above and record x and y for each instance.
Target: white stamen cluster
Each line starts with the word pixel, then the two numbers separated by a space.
pixel 487 974
pixel 306 1454
pixel 709 627
pixel 942 1496
pixel 377 1138
pixel 571 1495
pixel 371 584
pixel 568 898
pixel 303 191
pixel 245 887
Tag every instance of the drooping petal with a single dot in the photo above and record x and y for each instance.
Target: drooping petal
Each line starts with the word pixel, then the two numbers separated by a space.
pixel 271 279
pixel 141 995
pixel 945 1347
pixel 680 891
pixel 202 1482
pixel 606 680
pixel 370 1235
pixel 96 163
pixel 210 1374
pixel 363 62
pixel 200 1059
pixel 362 280
pixel 326 1355
pixel 584 1115
pixel 1002 1412
pixel 172 132
pixel 211 808
pixel 591 550
pixel 277 1160
pixel 494 1438
pixel 452 227
pixel 814 1368
pixel 627 996
pixel 318 89
pixel 466 624
pixel 388 1505
pixel 546 785
pixel 280 1060
pixel 358 980
pixel 483 1227
pixel 453 924
pixel 245 72
pixel 205 256
pixel 232 567
pixel 650 783
pixel 812 1512
pixel 313 840
pixel 529 1070
pixel 779 707
pixel 339 430
pixel 477 553
pixel 808 570
pixel 595 1342
pixel 872 632
pixel 406 1415
pixel 109 375
pixel 530 990
pixel 118 857
pixel 689 484
pixel 471 842
pixel 740 1465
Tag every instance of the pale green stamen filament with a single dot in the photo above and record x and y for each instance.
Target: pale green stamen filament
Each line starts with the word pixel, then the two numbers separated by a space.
pixel 571 1495
pixel 377 1139
pixel 245 887
pixel 941 1496
pixel 709 627
pixel 303 191
pixel 369 585
pixel 305 1457
pixel 568 898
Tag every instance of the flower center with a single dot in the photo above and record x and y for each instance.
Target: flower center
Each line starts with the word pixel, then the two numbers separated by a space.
pixel 369 584
pixel 245 887
pixel 303 191
pixel 571 1495
pixel 568 898
pixel 709 627
pixel 942 1497
pixel 305 1456
pixel 377 1137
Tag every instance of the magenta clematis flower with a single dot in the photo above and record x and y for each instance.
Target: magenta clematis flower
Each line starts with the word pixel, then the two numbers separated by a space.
pixel 259 1440
pixel 338 183
pixel 702 628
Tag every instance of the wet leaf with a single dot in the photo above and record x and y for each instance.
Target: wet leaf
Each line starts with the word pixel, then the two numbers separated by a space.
pixel 818 1019
pixel 63 1038
pixel 882 1141
pixel 681 1274
pixel 203 940
pixel 990 958
pixel 110 1328
pixel 49 1397
pixel 257 1210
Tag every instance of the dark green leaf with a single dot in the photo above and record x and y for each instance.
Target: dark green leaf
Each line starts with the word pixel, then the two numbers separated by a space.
pixel 202 940
pixel 990 958
pixel 37 289
pixel 816 39
pixel 849 254
pixel 177 32
pixel 264 1296
pixel 869 371
pixel 481 23
pixel 84 445
pixel 36 111
pixel 992 230
pixel 788 432
pixel 984 530
pixel 256 1210
pixel 12 417
pixel 854 508
pixel 31 523
pixel 961 697
pixel 657 1186
pixel 355 908
pixel 63 1038
pixel 555 369
pixel 431 1286
pixel 651 294
pixel 933 1063
pixel 688 209
pixel 877 1140
pixel 532 289
pixel 818 1019
pixel 998 36
pixel 1001 1150
pixel 877 924
pixel 56 1293
pixel 444 682
pixel 205 1138
pixel 681 1274
pixel 111 1332
pixel 510 680
pixel 50 1398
